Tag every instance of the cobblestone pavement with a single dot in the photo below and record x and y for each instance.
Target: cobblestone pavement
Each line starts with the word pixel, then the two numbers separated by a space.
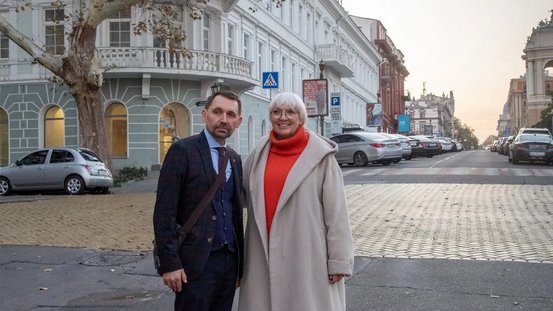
pixel 448 171
pixel 451 221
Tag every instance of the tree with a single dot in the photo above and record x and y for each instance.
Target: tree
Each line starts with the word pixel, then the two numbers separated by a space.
pixel 80 68
pixel 465 134
pixel 489 140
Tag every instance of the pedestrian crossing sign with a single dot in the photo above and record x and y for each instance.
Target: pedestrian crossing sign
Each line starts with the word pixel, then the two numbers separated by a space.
pixel 270 80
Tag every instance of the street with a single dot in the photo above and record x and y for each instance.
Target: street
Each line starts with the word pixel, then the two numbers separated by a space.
pixel 459 231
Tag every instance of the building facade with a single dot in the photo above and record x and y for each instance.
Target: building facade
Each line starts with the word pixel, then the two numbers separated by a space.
pixel 432 115
pixel 152 93
pixel 538 55
pixel 504 122
pixel 392 73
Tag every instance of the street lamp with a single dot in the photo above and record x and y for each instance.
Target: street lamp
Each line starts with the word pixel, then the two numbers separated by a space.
pixel 216 87
pixel 322 67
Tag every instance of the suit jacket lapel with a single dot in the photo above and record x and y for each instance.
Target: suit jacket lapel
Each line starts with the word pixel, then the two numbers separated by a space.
pixel 205 156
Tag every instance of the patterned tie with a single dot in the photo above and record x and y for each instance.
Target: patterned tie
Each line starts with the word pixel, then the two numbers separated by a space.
pixel 222 151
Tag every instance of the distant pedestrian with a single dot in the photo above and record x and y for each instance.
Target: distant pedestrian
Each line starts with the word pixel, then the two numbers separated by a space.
pixel 298 237
pixel 205 269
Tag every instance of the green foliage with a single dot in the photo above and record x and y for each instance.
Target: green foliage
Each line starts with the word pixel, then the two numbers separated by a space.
pixel 546 116
pixel 465 135
pixel 128 173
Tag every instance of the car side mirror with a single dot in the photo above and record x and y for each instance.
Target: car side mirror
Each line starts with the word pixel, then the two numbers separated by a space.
pixel 18 163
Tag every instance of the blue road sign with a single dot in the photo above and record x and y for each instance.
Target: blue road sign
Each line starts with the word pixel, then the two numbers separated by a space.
pixel 270 80
pixel 335 101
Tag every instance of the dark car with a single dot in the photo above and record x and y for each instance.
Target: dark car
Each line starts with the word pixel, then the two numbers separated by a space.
pixel 531 147
pixel 430 147
pixel 503 148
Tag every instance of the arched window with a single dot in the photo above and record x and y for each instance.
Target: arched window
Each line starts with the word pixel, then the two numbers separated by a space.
pixel 411 114
pixel 4 144
pixel 54 124
pixel 116 128
pixel 422 114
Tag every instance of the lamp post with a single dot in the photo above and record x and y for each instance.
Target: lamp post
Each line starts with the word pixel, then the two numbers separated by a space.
pixel 322 67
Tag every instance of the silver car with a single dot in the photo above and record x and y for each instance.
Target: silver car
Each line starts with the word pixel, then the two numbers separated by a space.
pixel 362 148
pixel 74 170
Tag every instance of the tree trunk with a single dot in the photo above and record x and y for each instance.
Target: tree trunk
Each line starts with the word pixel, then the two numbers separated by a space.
pixel 92 124
pixel 84 85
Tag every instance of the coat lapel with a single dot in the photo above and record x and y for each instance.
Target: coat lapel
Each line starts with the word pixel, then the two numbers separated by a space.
pixel 205 157
pixel 256 187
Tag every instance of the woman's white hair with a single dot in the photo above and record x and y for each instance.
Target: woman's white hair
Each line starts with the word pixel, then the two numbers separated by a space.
pixel 289 100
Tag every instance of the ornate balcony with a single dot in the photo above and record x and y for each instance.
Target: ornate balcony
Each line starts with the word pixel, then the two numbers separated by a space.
pixel 231 71
pixel 336 58
pixel 236 72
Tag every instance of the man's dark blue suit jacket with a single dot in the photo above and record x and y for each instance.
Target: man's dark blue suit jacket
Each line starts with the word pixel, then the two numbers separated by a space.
pixel 186 175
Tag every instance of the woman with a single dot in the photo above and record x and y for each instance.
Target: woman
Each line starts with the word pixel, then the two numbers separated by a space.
pixel 298 239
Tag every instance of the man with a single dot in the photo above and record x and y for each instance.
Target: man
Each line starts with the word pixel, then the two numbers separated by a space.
pixel 205 270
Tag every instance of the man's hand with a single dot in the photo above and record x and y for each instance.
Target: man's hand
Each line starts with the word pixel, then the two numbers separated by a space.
pixel 174 280
pixel 335 278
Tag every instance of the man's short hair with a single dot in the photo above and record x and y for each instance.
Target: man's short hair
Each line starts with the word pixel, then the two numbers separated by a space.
pixel 227 94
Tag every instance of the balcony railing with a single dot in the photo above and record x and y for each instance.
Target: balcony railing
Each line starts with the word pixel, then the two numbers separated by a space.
pixel 199 63
pixel 337 58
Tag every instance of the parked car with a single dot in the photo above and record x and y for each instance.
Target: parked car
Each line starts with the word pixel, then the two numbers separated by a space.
pixel 504 147
pixel 531 147
pixel 75 170
pixel 362 148
pixel 416 147
pixel 534 130
pixel 446 143
pixel 405 146
pixel 458 146
pixel 429 146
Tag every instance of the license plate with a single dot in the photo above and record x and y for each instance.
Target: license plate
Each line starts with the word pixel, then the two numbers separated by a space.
pixel 537 154
pixel 413 144
pixel 102 172
pixel 432 145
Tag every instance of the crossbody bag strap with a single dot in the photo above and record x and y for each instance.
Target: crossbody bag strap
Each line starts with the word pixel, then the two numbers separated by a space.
pixel 204 202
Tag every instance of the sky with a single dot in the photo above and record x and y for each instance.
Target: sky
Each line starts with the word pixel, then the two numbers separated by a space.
pixel 470 47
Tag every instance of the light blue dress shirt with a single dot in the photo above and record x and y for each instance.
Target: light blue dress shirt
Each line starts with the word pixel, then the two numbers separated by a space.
pixel 213 145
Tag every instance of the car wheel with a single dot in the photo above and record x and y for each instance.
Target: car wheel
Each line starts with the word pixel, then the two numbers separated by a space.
pixel 104 190
pixel 360 159
pixel 387 162
pixel 514 160
pixel 5 186
pixel 408 158
pixel 510 157
pixel 397 160
pixel 74 185
pixel 430 156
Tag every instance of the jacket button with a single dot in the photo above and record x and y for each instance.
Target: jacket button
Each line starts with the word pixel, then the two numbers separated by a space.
pixel 214 217
pixel 209 240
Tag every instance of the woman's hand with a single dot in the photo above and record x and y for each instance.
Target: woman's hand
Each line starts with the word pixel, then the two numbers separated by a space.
pixel 335 278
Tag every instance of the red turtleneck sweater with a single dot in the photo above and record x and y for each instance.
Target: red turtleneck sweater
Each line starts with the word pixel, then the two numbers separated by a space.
pixel 282 156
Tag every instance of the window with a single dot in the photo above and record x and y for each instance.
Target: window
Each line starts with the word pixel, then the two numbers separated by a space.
pixel 273 60
pixel 205 31
pixel 301 21
pixel 230 39
pixel 309 27
pixel 293 79
pixel 54 124
pixel 38 157
pixel 61 156
pixel 116 128
pixel 120 29
pixel 260 48
pixel 246 53
pixel 54 30
pixel 291 16
pixel 422 113
pixel 284 72
pixel 422 125
pixel 4 46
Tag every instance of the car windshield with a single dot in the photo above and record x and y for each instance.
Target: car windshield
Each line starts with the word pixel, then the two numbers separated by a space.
pixel 534 137
pixel 89 155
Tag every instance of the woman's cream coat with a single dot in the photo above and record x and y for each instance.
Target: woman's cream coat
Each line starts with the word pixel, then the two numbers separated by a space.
pixel 310 234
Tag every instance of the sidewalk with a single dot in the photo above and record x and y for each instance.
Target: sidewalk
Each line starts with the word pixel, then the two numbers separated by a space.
pixel 92 252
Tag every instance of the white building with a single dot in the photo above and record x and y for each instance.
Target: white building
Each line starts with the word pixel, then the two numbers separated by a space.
pixel 431 115
pixel 151 91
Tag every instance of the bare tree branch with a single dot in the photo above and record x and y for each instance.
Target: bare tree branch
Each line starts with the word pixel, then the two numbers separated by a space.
pixel 51 62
